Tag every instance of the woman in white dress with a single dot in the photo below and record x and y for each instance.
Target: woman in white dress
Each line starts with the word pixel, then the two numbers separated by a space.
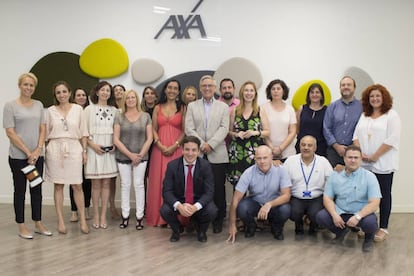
pixel 101 165
pixel 66 136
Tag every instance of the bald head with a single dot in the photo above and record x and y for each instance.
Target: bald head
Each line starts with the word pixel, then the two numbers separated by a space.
pixel 263 150
pixel 263 158
pixel 307 147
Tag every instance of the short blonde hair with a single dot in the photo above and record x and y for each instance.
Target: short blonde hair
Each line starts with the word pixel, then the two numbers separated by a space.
pixel 123 105
pixel 27 75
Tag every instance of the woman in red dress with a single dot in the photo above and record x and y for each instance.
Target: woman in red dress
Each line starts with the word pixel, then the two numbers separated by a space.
pixel 168 126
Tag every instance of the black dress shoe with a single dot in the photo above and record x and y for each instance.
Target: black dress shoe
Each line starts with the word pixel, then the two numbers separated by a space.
pixel 249 231
pixel 279 236
pixel 340 237
pixel 201 236
pixel 217 228
pixel 175 237
pixel 367 245
pixel 278 233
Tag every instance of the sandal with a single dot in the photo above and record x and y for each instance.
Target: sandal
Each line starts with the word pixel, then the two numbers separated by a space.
pixel 139 225
pixel 124 223
pixel 381 235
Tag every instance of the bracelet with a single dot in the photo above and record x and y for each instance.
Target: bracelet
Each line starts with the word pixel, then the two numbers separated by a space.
pixel 177 143
pixel 85 150
pixel 156 141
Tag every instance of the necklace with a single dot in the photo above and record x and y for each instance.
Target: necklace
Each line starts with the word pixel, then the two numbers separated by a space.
pixel 369 126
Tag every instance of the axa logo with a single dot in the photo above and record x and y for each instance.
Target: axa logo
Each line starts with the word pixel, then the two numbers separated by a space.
pixel 181 25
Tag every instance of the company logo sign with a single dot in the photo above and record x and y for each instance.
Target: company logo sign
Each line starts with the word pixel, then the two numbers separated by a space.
pixel 181 25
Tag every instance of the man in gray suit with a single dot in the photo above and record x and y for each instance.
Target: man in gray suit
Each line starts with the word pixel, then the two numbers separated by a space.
pixel 208 120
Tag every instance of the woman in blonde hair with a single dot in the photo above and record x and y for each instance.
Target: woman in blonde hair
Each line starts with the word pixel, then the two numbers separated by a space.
pixel 25 126
pixel 189 95
pixel 132 138
pixel 248 127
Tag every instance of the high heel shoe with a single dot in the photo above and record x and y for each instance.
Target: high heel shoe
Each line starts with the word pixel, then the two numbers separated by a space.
pixel 139 225
pixel 124 223
pixel 84 228
pixel 62 230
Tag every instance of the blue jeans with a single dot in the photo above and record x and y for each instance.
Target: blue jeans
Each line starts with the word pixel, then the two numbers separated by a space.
pixel 368 224
pixel 248 209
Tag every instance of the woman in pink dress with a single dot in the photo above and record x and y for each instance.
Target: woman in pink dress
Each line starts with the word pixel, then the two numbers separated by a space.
pixel 168 126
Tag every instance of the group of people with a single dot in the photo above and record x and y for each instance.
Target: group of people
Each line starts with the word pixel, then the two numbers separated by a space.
pixel 279 158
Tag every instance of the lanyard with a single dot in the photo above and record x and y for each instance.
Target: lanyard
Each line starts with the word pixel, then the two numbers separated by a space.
pixel 310 174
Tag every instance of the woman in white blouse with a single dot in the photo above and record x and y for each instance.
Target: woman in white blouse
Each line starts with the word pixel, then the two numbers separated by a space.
pixel 282 121
pixel 378 134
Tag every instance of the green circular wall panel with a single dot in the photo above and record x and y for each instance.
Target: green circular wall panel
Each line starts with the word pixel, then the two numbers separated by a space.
pixel 59 66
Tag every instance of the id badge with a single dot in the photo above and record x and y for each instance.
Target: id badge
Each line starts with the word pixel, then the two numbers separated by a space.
pixel 307 194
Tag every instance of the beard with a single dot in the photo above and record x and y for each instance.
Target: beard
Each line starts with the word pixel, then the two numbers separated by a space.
pixel 227 96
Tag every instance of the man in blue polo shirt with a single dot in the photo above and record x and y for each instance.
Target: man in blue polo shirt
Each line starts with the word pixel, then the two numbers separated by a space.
pixel 339 123
pixel 269 194
pixel 350 199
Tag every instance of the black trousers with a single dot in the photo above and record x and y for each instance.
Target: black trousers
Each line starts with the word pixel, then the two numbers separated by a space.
pixel 202 217
pixel 87 192
pixel 300 207
pixel 333 157
pixel 385 182
pixel 219 171
pixel 20 184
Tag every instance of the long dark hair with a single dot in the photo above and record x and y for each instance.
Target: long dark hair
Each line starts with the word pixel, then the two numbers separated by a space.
pixel 163 97
pixel 73 95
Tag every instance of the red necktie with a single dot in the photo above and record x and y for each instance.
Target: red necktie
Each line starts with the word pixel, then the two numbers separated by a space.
pixel 189 192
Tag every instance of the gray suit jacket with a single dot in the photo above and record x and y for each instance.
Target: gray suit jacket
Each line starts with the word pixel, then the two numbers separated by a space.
pixel 216 131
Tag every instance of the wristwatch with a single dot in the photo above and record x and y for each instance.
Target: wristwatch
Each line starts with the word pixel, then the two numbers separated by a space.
pixel 357 216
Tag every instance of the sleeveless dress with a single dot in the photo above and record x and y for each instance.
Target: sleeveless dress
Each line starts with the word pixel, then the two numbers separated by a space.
pixel 241 151
pixel 311 123
pixel 169 130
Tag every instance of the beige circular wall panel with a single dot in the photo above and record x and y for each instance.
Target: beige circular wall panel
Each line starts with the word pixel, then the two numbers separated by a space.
pixel 239 70
pixel 146 71
pixel 362 79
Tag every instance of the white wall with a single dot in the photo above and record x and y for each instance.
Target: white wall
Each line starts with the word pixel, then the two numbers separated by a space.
pixel 293 40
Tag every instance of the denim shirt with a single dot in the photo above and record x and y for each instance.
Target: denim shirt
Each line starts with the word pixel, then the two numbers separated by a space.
pixel 340 121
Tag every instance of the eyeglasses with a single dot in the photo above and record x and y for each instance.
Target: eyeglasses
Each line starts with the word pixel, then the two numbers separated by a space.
pixel 207 85
pixel 65 124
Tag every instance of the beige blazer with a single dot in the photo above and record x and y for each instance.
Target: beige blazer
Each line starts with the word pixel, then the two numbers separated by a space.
pixel 216 131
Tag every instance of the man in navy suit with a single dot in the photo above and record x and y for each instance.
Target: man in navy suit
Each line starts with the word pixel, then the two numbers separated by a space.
pixel 188 192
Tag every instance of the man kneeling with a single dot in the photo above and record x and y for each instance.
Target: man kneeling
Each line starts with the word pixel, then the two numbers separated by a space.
pixel 188 191
pixel 269 194
pixel 351 198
